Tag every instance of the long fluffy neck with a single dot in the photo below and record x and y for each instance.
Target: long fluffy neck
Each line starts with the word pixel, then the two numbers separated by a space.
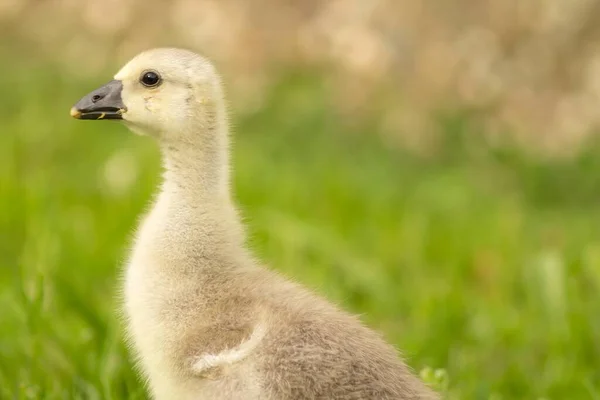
pixel 194 209
pixel 197 173
pixel 197 161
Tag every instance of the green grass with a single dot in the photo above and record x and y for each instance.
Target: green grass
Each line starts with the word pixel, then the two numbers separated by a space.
pixel 482 263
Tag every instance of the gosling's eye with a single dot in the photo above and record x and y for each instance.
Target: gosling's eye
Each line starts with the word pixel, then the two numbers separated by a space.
pixel 150 79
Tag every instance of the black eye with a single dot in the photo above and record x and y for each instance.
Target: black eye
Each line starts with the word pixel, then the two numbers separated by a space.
pixel 150 79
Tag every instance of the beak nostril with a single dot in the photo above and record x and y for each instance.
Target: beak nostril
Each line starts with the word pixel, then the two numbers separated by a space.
pixel 102 103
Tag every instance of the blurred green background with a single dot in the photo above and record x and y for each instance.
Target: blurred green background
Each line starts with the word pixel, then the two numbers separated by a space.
pixel 481 262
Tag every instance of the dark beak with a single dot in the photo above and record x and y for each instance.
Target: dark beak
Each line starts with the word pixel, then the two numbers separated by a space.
pixel 103 103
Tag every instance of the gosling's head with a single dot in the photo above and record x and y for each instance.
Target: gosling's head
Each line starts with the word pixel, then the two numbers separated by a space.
pixel 167 93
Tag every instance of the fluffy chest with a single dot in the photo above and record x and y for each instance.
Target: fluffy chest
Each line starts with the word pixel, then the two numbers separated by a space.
pixel 163 314
pixel 146 303
pixel 159 315
pixel 165 289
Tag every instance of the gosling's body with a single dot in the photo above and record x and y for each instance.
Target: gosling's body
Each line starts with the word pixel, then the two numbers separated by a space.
pixel 205 320
pixel 219 327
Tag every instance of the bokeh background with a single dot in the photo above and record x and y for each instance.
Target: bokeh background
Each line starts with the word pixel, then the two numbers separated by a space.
pixel 431 165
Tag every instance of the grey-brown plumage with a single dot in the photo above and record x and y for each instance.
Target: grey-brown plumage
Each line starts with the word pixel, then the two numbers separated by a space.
pixel 205 320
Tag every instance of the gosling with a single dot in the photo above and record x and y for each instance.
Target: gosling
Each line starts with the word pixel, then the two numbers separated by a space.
pixel 204 319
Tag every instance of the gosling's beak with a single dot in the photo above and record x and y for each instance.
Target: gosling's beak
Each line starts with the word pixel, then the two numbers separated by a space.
pixel 103 103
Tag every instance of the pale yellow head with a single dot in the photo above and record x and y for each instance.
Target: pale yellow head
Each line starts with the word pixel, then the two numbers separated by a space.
pixel 168 93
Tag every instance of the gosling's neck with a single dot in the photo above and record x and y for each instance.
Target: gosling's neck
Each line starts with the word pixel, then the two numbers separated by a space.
pixel 196 163
pixel 194 214
pixel 196 175
pixel 195 203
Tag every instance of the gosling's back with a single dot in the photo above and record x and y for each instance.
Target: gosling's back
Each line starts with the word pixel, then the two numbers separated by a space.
pixel 306 348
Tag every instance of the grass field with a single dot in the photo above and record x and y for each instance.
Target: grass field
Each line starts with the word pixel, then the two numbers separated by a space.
pixel 482 264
